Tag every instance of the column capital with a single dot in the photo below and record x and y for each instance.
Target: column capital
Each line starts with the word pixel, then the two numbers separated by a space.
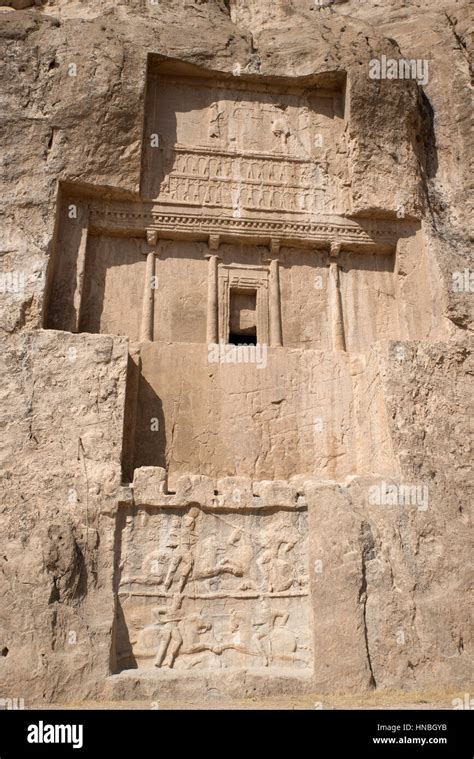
pixel 214 242
pixel 152 237
pixel 275 244
pixel 334 249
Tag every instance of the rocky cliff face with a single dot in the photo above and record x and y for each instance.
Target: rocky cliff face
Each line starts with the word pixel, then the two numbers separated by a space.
pixel 388 578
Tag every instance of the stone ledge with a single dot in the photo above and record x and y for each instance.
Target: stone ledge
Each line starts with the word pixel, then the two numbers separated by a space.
pixel 132 685
pixel 149 488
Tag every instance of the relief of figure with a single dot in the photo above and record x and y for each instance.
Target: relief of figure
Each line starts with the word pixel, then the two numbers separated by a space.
pixel 197 637
pixel 280 531
pixel 155 567
pixel 183 546
pixel 241 557
pixel 277 573
pixel 194 164
pixel 185 163
pixel 263 623
pixel 224 169
pixel 218 196
pixel 202 192
pixel 211 194
pixel 194 192
pixel 304 128
pixel 173 188
pixel 246 197
pixel 274 641
pixel 324 168
pixel 204 166
pixel 240 629
pixel 215 120
pixel 164 187
pixel 169 636
pixel 277 566
pixel 183 190
pixel 317 179
pixel 162 638
pixel 212 559
pixel 239 636
pixel 212 168
pixel 283 643
pixel 288 201
pixel 177 162
pixel 281 130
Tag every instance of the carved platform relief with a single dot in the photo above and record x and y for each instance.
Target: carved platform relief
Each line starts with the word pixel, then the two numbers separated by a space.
pixel 228 148
pixel 212 590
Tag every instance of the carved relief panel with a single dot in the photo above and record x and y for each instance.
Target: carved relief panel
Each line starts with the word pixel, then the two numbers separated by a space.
pixel 217 589
pixel 236 147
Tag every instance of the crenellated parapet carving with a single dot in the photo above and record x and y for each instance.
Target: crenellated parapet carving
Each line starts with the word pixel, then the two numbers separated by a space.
pixel 149 488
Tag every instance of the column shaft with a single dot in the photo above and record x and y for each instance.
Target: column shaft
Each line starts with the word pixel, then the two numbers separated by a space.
pixel 212 318
pixel 337 321
pixel 146 330
pixel 274 304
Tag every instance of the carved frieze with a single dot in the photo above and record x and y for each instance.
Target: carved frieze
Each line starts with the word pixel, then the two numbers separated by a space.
pixel 211 590
pixel 243 182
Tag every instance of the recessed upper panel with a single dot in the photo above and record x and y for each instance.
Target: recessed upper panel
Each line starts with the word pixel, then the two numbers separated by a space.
pixel 241 148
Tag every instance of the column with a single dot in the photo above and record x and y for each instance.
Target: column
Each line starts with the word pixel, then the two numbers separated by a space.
pixel 274 304
pixel 146 328
pixel 212 301
pixel 336 318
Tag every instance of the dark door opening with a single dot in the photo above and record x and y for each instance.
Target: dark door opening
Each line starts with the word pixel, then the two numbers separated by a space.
pixel 242 339
pixel 243 317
